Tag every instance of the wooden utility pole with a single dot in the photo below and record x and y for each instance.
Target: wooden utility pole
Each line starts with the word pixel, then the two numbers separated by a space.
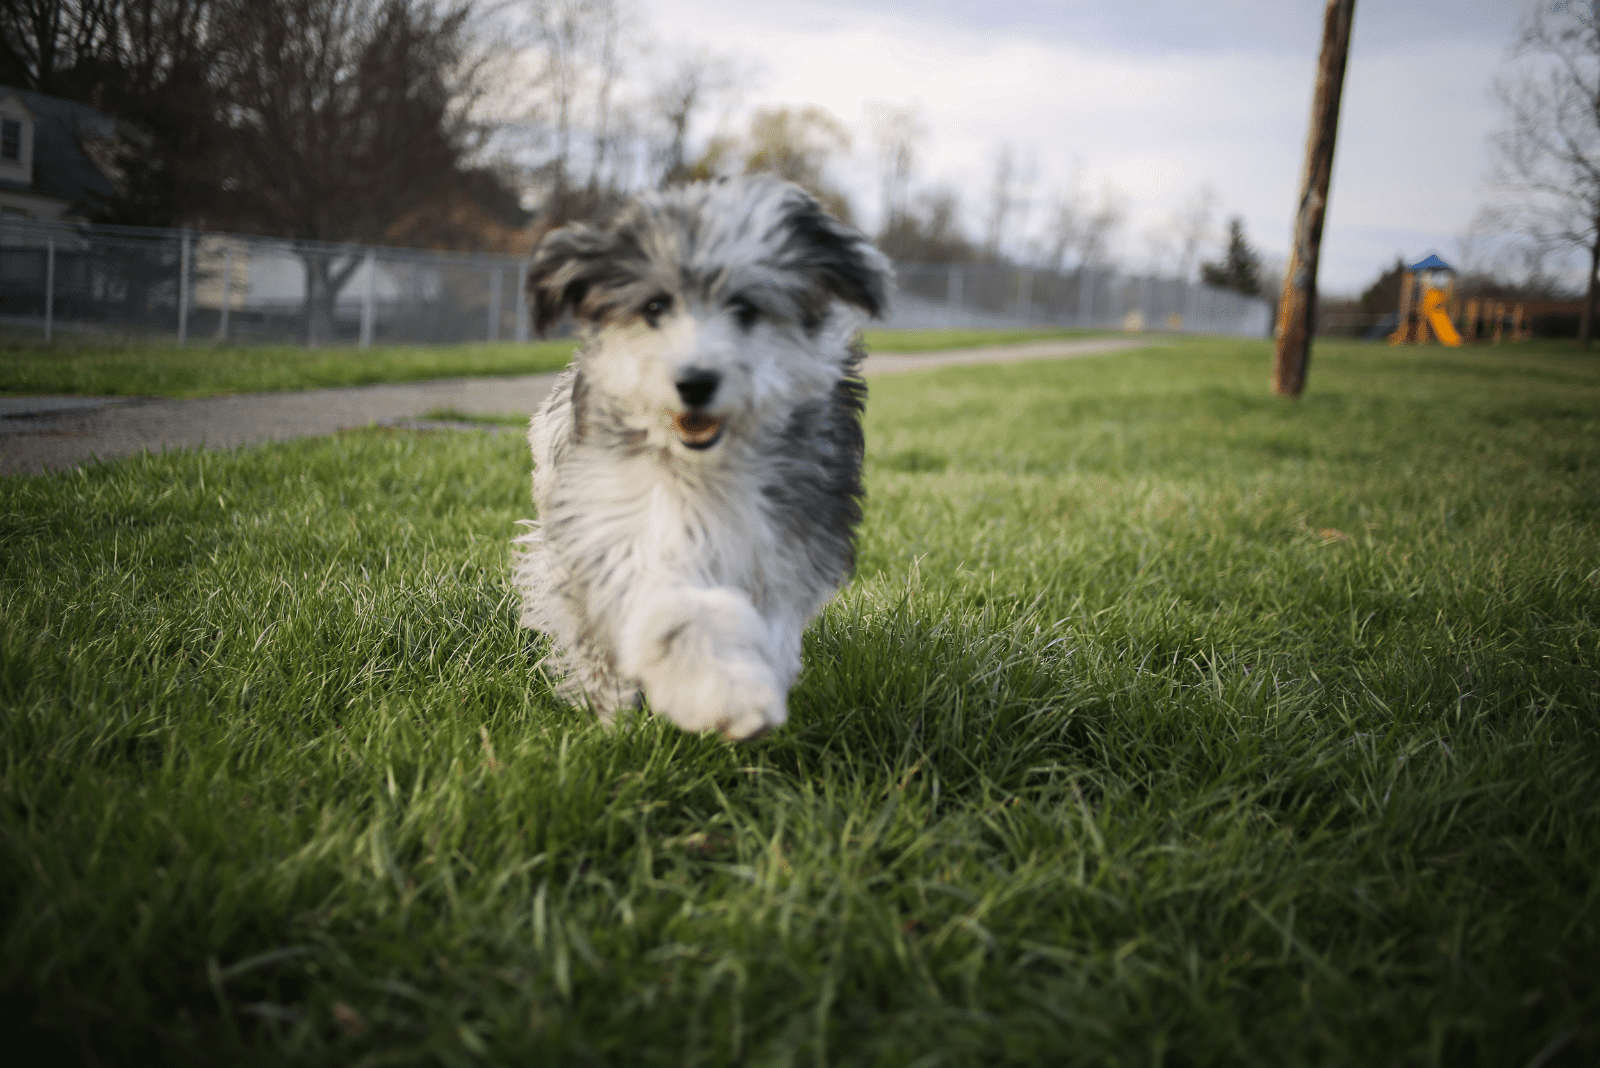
pixel 1297 308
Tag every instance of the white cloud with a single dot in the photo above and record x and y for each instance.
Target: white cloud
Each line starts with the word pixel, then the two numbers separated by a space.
pixel 1156 122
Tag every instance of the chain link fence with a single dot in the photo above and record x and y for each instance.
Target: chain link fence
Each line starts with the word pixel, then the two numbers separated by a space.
pixel 178 286
pixel 999 295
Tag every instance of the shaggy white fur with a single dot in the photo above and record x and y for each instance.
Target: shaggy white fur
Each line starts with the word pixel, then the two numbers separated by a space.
pixel 697 469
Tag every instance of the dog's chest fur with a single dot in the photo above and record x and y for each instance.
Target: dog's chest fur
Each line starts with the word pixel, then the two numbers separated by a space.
pixel 773 518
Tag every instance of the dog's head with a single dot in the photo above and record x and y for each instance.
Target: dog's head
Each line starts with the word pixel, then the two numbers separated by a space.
pixel 711 310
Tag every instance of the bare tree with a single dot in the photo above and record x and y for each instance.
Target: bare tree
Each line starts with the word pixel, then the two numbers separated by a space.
pixel 929 231
pixel 1002 199
pixel 1475 243
pixel 1100 227
pixel 1191 226
pixel 345 116
pixel 45 43
pixel 1063 226
pixel 898 131
pixel 1159 246
pixel 693 81
pixel 1494 260
pixel 797 144
pixel 1010 200
pixel 1535 276
pixel 1027 179
pixel 577 48
pixel 1178 239
pixel 1547 166
pixel 147 63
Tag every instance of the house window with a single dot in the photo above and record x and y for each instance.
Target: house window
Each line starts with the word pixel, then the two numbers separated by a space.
pixel 11 140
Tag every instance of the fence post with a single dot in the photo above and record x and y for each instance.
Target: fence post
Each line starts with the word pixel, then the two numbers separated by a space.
pixel 367 296
pixel 227 293
pixel 953 294
pixel 496 280
pixel 49 287
pixel 521 332
pixel 1085 294
pixel 1024 294
pixel 183 290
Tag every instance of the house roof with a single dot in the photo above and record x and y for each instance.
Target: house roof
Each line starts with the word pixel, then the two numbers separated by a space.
pixel 61 168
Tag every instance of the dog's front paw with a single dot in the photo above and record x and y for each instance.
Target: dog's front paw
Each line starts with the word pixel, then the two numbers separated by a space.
pixel 703 661
pixel 739 701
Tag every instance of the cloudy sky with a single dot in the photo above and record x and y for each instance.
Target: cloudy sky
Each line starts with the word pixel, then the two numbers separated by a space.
pixel 1155 96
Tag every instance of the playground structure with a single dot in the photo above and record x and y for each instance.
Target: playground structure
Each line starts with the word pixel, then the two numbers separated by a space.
pixel 1429 310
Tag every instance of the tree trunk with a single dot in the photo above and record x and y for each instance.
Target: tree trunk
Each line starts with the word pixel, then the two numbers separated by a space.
pixel 1586 323
pixel 323 284
pixel 1297 308
pixel 318 310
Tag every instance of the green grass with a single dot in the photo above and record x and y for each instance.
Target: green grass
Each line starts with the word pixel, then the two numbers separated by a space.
pixel 456 415
pixel 943 340
pixel 134 369
pixel 1165 723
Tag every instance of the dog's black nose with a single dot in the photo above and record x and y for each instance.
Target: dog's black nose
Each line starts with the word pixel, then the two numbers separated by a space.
pixel 696 387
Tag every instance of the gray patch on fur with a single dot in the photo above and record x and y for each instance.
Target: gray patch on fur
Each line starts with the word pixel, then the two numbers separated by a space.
pixel 817 497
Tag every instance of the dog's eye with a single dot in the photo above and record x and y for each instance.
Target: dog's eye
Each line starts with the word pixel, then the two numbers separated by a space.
pixel 745 312
pixel 655 308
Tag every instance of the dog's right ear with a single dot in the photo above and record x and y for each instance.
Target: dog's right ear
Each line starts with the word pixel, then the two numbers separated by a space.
pixel 565 266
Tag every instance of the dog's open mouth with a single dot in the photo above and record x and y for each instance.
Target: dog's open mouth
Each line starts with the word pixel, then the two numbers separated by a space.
pixel 696 430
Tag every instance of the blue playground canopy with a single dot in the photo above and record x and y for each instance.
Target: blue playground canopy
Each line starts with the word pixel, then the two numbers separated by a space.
pixel 1432 263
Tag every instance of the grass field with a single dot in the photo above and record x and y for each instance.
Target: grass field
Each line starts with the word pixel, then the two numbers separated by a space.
pixel 1165 723
pixel 133 369
pixel 204 370
pixel 943 340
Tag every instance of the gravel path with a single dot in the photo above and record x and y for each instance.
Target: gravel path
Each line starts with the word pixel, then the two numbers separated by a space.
pixel 39 434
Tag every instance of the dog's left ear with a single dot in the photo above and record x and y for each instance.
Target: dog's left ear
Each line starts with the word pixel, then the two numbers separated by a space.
pixel 838 258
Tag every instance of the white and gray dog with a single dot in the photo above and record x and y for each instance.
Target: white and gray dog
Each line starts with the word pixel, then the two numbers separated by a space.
pixel 697 470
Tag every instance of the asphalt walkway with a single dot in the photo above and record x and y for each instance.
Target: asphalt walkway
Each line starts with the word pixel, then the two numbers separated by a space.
pixel 40 434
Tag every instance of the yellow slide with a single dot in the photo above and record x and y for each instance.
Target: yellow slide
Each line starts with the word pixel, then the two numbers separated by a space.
pixel 1433 308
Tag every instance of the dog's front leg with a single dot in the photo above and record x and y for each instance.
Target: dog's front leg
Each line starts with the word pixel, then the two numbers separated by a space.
pixel 705 659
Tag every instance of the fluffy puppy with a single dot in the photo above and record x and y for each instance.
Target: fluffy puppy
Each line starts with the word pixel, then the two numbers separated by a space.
pixel 697 471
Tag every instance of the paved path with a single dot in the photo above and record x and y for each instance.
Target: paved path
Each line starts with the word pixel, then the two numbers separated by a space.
pixel 39 434
pixel 891 363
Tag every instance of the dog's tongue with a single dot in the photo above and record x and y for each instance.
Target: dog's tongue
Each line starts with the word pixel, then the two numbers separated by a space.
pixel 696 429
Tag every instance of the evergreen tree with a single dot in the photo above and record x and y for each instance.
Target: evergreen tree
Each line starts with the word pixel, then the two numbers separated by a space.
pixel 1240 267
pixel 1383 295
